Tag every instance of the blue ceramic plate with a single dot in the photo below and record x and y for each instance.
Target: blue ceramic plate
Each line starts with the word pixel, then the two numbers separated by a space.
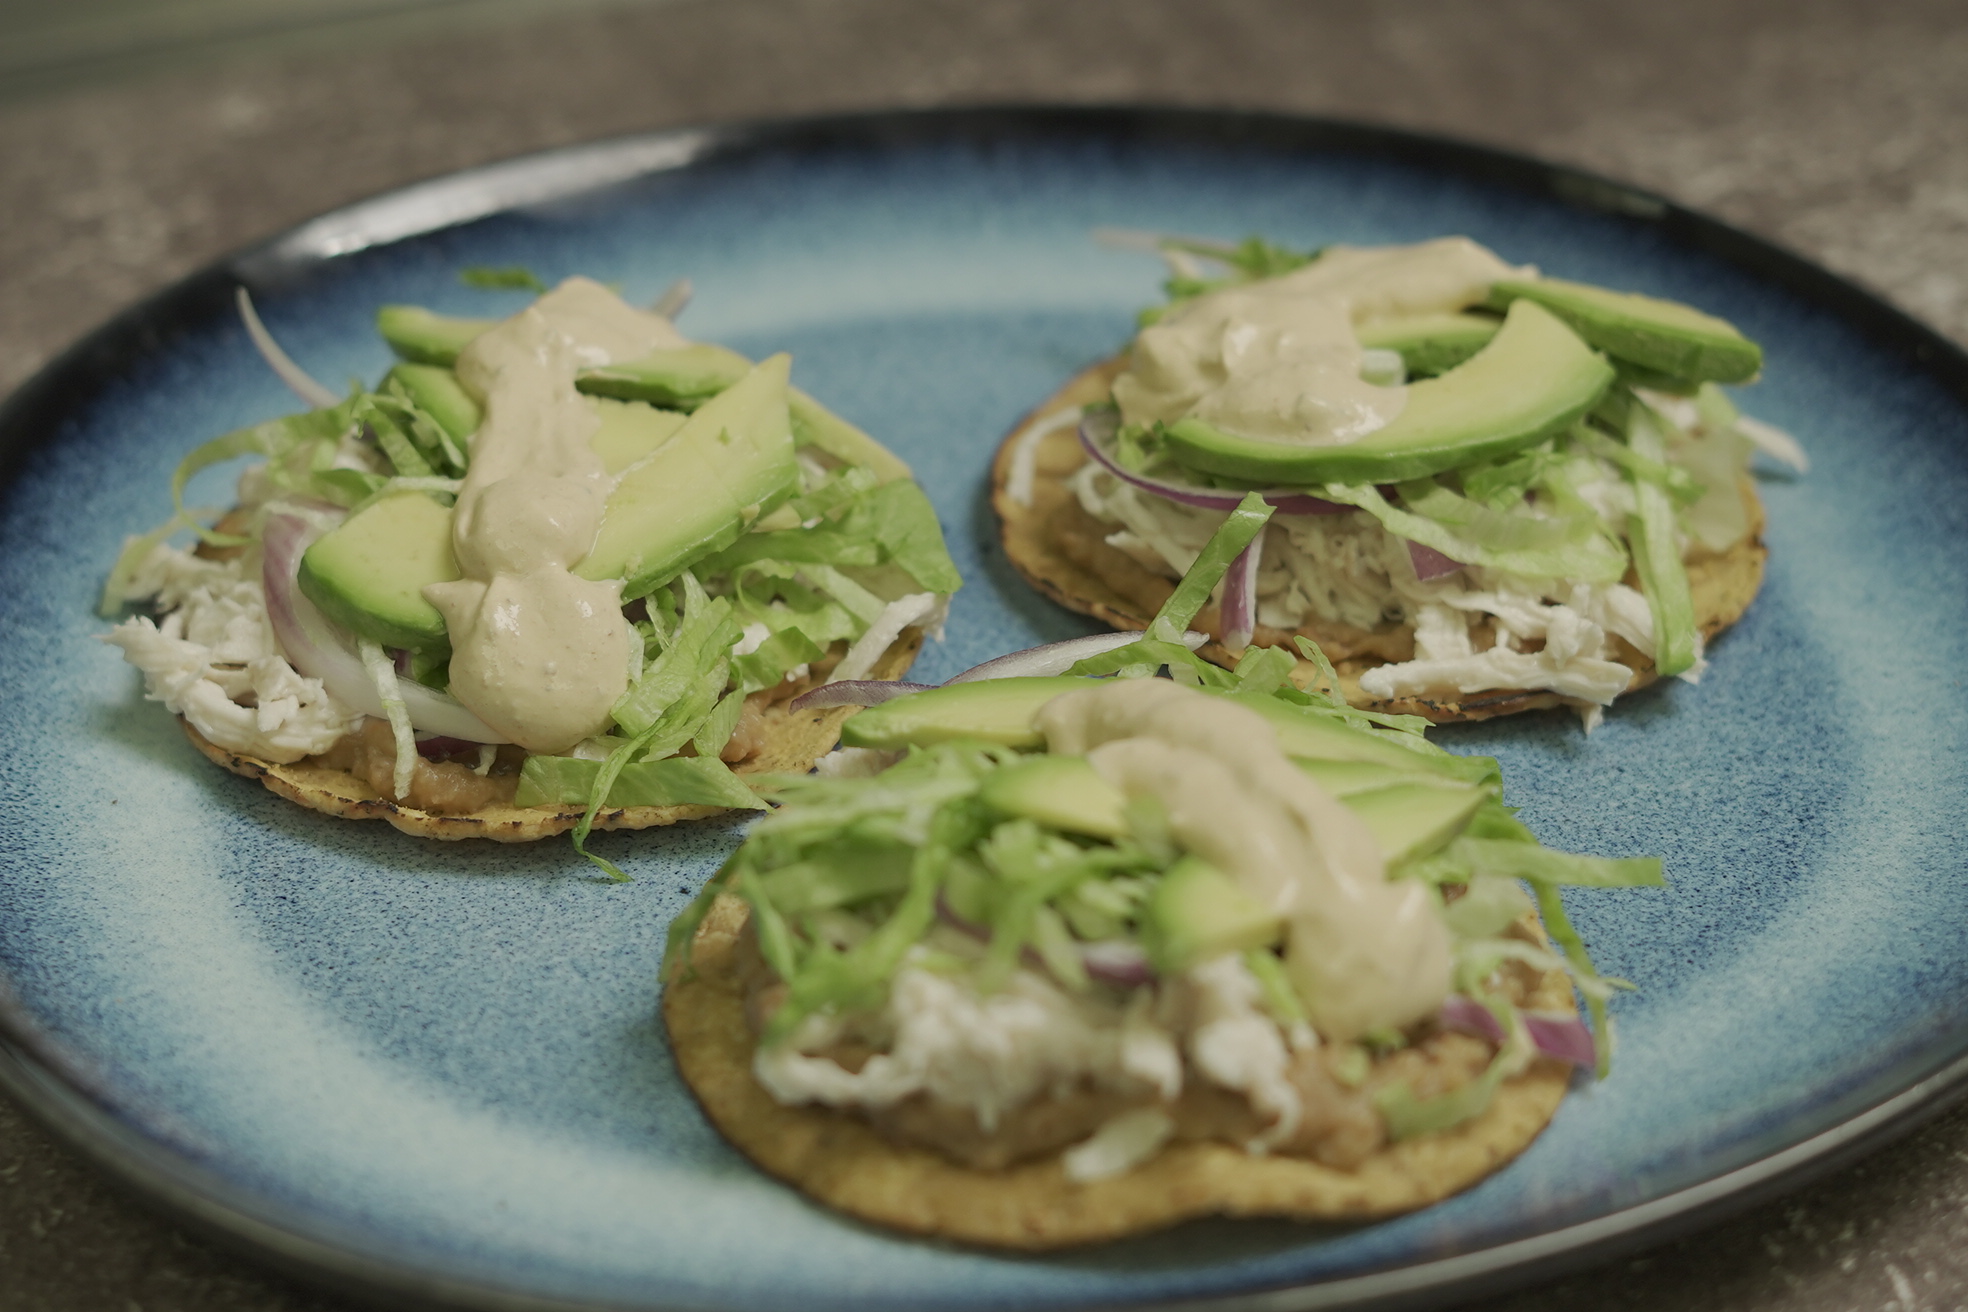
pixel 437 1068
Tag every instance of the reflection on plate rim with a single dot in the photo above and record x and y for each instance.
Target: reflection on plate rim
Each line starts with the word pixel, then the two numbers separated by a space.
pixel 57 1091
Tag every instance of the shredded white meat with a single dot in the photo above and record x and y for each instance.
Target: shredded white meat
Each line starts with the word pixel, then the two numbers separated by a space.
pixel 1119 1146
pixel 923 609
pixel 1237 1045
pixel 992 1053
pixel 989 1053
pixel 212 659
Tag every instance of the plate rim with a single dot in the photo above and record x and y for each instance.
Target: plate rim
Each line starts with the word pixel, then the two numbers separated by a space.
pixel 56 1090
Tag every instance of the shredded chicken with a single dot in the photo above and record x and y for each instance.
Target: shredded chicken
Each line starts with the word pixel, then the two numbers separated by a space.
pixel 212 659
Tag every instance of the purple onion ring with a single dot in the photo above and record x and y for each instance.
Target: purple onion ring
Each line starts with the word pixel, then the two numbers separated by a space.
pixel 1287 501
pixel 855 692
pixel 1565 1038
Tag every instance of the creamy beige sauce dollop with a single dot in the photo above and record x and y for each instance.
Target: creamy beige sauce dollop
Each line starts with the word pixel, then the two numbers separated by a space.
pixel 537 653
pixel 1278 360
pixel 1361 952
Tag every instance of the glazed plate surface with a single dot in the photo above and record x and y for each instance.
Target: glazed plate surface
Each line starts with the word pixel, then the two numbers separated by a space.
pixel 438 1068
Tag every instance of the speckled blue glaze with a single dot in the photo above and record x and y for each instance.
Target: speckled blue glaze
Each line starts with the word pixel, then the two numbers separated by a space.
pixel 446 1060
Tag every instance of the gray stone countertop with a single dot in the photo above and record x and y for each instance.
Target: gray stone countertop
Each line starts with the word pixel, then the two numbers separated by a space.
pixel 1835 127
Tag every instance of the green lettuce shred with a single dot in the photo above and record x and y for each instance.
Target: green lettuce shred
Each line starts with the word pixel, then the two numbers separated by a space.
pixel 1657 552
pixel 1408 1116
pixel 508 277
pixel 673 781
pixel 1235 533
pixel 1596 558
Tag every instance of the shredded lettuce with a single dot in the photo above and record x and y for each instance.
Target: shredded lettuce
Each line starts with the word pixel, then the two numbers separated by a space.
pixel 673 781
pixel 509 277
pixel 1657 553
pixel 1594 558
pixel 382 674
pixel 1408 1116
pixel 1236 532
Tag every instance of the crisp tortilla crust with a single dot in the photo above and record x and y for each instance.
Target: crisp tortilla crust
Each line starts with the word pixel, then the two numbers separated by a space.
pixel 1061 550
pixel 840 1160
pixel 794 740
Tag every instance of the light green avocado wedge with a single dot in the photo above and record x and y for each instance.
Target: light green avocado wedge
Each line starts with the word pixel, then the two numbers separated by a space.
pixel 368 573
pixel 729 463
pixel 1430 344
pixel 1065 792
pixel 1534 379
pixel 1674 344
pixel 988 710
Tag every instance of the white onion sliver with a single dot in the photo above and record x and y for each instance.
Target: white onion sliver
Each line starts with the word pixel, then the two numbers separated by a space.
pixel 318 650
pixel 673 300
pixel 298 379
pixel 1025 456
pixel 1058 657
pixel 1773 441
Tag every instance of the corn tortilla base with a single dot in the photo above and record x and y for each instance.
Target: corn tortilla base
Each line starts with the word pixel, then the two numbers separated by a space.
pixel 1060 550
pixel 794 740
pixel 841 1161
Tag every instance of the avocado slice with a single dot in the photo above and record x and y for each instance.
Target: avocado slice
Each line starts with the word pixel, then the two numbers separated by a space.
pixel 630 431
pixel 1430 344
pixel 437 392
pixel 1318 738
pixel 1669 339
pixel 730 462
pixel 1344 778
pixel 421 337
pixel 1414 819
pixel 1197 912
pixel 991 710
pixel 1064 792
pixel 815 425
pixel 1535 378
pixel 368 572
pixel 682 378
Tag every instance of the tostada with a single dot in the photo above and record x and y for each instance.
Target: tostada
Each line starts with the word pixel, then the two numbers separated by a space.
pixel 563 569
pixel 1496 491
pixel 1052 959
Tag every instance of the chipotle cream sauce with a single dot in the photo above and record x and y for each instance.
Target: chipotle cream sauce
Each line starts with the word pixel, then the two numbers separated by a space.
pixel 1361 952
pixel 1277 360
pixel 537 653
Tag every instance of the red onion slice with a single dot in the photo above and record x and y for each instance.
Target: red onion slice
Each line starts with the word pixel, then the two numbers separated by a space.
pixel 1114 961
pixel 1240 596
pixel 1100 425
pixel 854 692
pixel 1566 1038
pixel 1430 563
pixel 1117 962
pixel 318 650
pixel 1058 657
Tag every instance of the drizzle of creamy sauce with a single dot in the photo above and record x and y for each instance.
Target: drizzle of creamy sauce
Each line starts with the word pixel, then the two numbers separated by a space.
pixel 538 653
pixel 1361 952
pixel 1278 361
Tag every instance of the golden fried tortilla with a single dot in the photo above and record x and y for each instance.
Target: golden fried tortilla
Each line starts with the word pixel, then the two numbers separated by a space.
pixel 843 1162
pixel 786 739
pixel 1062 551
